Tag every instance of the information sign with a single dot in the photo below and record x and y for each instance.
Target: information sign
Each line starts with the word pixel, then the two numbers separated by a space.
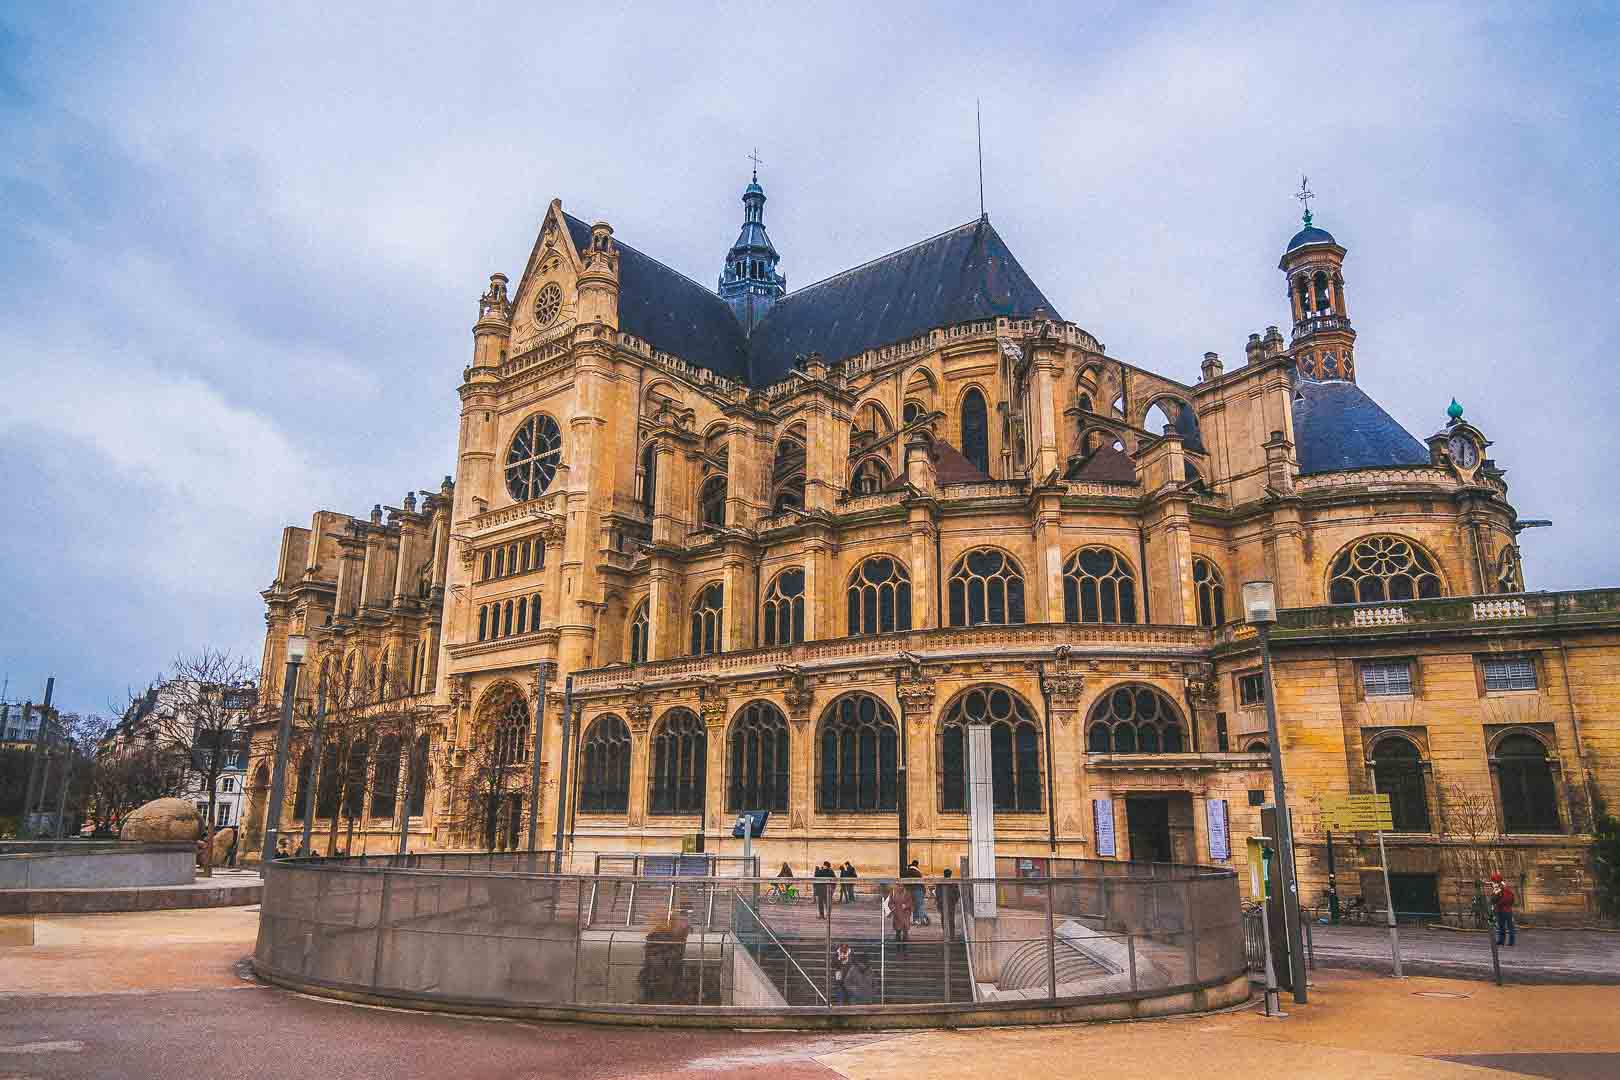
pixel 1220 842
pixel 1357 813
pixel 1102 812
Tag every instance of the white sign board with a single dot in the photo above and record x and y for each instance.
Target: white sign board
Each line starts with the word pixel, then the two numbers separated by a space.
pixel 1220 841
pixel 1102 812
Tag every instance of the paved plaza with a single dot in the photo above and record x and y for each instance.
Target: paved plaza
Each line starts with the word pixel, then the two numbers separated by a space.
pixel 166 994
pixel 1541 955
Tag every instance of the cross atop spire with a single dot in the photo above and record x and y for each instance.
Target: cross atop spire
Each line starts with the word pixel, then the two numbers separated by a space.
pixel 1305 195
pixel 757 160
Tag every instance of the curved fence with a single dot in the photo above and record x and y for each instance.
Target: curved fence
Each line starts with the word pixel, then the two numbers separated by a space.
pixel 697 939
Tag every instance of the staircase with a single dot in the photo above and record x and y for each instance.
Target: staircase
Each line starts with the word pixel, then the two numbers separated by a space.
pixel 915 976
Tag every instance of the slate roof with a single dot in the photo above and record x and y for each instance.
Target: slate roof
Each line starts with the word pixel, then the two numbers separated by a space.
pixel 671 311
pixel 1310 234
pixel 964 274
pixel 1337 426
pixel 1105 465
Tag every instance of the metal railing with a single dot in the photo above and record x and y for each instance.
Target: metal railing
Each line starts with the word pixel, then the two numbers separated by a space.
pixel 479 929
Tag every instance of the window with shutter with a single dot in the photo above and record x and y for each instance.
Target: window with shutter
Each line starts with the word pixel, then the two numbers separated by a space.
pixel 1386 677
pixel 1510 673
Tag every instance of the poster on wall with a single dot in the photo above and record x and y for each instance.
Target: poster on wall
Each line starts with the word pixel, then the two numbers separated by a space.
pixel 1220 841
pixel 1102 812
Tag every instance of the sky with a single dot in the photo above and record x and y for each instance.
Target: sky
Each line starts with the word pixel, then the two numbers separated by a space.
pixel 241 246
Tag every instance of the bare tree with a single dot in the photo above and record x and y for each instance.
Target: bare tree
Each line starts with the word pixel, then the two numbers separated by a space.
pixel 200 715
pixel 489 783
pixel 1469 832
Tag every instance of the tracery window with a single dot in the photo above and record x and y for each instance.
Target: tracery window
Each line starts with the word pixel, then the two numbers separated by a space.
pixel 986 587
pixel 976 430
pixel 418 776
pixel 1211 593
pixel 385 788
pixel 879 597
pixel 757 752
pixel 859 756
pixel 911 412
pixel 1529 795
pixel 784 609
pixel 638 634
pixel 1134 720
pixel 1398 773
pixel 679 764
pixel 510 731
pixel 534 612
pixel 1098 587
pixel 483 621
pixel 532 458
pixel 604 782
pixel 1381 568
pixel 707 611
pixel 1015 760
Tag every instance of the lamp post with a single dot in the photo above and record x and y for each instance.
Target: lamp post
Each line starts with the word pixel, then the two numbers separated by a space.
pixel 297 646
pixel 1260 612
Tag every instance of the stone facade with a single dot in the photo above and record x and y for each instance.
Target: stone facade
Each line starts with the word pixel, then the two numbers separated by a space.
pixel 1061 537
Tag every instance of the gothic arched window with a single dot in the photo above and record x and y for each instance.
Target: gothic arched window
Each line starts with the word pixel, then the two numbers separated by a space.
pixel 1211 593
pixel 419 776
pixel 1529 795
pixel 509 727
pixel 532 458
pixel 385 788
pixel 986 588
pixel 1098 587
pixel 787 473
pixel 326 784
pixel 859 756
pixel 306 765
pixel 879 597
pixel 1015 759
pixel 638 634
pixel 534 612
pixel 871 476
pixel 712 501
pixel 976 430
pixel 1134 720
pixel 604 781
pixel 483 621
pixel 784 609
pixel 707 611
pixel 678 765
pixel 1398 773
pixel 354 787
pixel 1084 402
pixel 911 412
pixel 649 477
pixel 757 757
pixel 1381 568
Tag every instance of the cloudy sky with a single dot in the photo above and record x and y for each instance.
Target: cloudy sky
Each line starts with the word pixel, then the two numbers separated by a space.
pixel 240 249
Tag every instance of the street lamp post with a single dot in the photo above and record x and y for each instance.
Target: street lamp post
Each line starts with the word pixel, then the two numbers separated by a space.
pixel 296 648
pixel 1260 612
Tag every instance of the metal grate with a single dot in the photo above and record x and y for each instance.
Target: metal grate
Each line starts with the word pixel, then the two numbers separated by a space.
pixel 1510 673
pixel 1383 678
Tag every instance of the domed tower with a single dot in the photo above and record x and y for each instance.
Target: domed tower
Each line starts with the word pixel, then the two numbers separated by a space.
pixel 1323 341
pixel 750 282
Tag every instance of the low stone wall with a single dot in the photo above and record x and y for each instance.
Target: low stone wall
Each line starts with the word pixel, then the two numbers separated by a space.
pixel 110 901
pixel 92 865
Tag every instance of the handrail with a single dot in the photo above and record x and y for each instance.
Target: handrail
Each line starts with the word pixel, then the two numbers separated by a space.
pixel 738 901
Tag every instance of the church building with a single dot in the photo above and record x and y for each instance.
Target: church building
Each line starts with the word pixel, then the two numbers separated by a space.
pixel 837 551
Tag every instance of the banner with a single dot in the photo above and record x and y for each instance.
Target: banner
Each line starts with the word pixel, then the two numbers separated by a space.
pixel 1220 841
pixel 1102 812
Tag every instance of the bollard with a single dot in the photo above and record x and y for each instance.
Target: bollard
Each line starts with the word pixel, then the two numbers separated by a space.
pixel 1496 957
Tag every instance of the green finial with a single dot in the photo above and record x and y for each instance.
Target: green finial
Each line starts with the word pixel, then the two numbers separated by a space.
pixel 1454 411
pixel 1305 196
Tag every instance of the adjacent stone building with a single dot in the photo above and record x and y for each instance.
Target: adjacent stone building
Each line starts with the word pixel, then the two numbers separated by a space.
pixel 815 551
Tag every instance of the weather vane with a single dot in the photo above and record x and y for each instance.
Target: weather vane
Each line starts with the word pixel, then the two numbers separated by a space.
pixel 755 158
pixel 1305 195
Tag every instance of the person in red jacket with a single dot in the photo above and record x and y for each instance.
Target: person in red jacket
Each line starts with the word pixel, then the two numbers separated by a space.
pixel 1502 901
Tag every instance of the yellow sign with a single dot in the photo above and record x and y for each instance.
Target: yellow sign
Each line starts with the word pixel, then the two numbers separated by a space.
pixel 1357 813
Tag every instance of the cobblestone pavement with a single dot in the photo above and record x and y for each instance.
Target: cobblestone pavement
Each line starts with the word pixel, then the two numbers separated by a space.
pixel 165 994
pixel 1541 956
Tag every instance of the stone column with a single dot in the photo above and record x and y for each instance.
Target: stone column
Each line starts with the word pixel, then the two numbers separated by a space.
pixel 823 592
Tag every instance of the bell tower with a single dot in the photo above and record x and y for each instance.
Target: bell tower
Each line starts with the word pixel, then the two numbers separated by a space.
pixel 1313 265
pixel 750 282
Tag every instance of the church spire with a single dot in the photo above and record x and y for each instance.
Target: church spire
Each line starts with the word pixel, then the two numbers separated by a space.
pixel 750 282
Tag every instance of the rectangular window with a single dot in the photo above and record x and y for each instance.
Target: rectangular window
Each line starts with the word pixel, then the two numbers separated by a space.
pixel 1257 797
pixel 1381 678
pixel 1222 739
pixel 1510 673
pixel 1252 689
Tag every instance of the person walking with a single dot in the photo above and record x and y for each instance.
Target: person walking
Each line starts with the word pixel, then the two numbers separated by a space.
pixel 945 897
pixel 840 974
pixel 1502 901
pixel 824 890
pixel 846 874
pixel 900 916
pixel 919 913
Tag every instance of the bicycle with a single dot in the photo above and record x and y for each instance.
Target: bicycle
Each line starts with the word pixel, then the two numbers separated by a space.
pixel 781 894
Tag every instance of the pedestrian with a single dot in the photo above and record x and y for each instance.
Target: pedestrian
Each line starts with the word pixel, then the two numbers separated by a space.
pixel 846 891
pixel 945 896
pixel 919 913
pixel 230 852
pixel 284 848
pixel 778 890
pixel 839 974
pixel 824 891
pixel 900 916
pixel 1502 901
